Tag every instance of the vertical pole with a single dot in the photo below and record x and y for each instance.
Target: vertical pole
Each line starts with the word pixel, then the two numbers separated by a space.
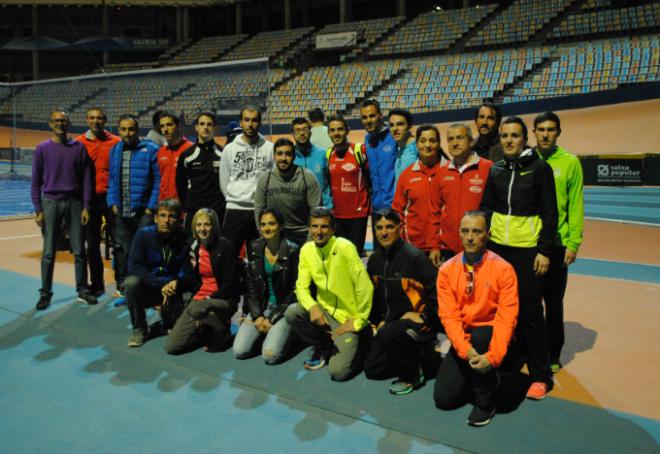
pixel 239 18
pixel 287 14
pixel 105 24
pixel 35 53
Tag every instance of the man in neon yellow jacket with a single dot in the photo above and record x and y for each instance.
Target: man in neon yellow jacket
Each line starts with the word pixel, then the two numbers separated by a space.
pixel 570 205
pixel 334 298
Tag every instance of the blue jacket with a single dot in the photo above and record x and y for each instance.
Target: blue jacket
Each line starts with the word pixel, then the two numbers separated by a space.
pixel 144 176
pixel 314 160
pixel 381 155
pixel 156 261
pixel 404 158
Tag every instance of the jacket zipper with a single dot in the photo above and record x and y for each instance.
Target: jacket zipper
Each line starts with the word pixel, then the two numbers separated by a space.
pixel 508 199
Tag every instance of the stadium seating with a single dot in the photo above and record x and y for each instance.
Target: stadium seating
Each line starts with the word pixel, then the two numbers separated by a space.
pixel 267 44
pixel 369 31
pixel 331 88
pixel 518 22
pixel 206 50
pixel 457 81
pixel 435 30
pixel 594 66
pixel 606 22
pixel 595 4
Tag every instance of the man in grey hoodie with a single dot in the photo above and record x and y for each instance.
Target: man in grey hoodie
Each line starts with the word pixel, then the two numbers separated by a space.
pixel 243 161
pixel 290 189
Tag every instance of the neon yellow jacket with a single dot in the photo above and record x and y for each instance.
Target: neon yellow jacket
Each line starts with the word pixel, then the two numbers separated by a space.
pixel 343 287
pixel 570 196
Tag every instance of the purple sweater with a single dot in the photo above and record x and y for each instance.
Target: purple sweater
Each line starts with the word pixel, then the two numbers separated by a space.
pixel 60 171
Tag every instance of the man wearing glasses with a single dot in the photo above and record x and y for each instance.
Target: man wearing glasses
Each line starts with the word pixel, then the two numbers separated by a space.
pixel 478 307
pixel 311 157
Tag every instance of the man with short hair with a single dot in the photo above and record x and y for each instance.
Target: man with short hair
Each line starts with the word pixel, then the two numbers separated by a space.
pixel 381 154
pixel 243 162
pixel 478 306
pixel 61 189
pixel 98 142
pixel 569 186
pixel 457 187
pixel 319 132
pixel 401 123
pixel 311 157
pixel 487 118
pixel 155 266
pixel 168 155
pixel 290 189
pixel 335 317
pixel 133 184
pixel 348 172
pixel 404 314
pixel 198 173
pixel 154 134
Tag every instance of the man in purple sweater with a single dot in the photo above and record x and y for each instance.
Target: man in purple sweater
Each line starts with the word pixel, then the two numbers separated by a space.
pixel 61 189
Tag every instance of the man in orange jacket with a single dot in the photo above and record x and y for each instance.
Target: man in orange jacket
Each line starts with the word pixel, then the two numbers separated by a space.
pixel 478 306
pixel 98 142
pixel 168 154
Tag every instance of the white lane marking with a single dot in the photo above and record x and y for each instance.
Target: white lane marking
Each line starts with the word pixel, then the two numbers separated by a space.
pixel 18 237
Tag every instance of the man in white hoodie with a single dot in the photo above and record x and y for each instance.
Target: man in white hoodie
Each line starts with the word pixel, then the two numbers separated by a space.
pixel 243 161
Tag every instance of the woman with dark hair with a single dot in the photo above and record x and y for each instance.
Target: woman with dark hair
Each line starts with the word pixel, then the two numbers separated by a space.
pixel 271 280
pixel 411 198
pixel 211 281
pixel 521 200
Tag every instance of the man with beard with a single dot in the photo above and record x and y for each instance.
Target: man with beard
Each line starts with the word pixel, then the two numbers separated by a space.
pixel 290 189
pixel 488 118
pixel 243 162
pixel 198 173
pixel 311 157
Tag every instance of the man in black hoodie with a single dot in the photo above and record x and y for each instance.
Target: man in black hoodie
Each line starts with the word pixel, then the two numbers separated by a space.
pixel 198 173
pixel 488 118
pixel 404 314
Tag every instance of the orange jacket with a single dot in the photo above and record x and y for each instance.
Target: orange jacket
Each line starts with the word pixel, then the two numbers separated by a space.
pixel 453 192
pixel 493 302
pixel 167 160
pixel 99 152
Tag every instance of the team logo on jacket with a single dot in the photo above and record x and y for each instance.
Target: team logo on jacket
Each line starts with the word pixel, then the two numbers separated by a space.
pixel 475 189
pixel 449 178
pixel 477 180
pixel 348 167
pixel 388 149
pixel 412 180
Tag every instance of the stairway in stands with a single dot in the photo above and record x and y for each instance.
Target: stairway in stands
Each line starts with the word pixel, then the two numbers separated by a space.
pixel 526 75
pixel 540 37
pixel 459 44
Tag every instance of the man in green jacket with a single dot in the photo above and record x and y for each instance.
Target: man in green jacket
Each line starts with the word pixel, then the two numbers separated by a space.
pixel 333 316
pixel 570 204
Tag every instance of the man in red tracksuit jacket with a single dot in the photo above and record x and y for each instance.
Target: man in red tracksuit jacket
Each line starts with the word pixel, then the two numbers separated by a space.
pixel 168 155
pixel 456 188
pixel 98 142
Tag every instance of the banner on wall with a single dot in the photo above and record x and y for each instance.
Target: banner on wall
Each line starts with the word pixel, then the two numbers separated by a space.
pixel 336 40
pixel 614 170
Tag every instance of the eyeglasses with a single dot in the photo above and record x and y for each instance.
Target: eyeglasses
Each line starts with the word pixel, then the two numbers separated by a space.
pixel 469 277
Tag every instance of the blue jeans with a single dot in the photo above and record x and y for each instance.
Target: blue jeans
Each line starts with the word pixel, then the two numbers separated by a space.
pixel 275 341
pixel 56 211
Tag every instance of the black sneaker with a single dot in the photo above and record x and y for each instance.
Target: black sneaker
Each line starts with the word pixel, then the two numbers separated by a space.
pixel 43 303
pixel 97 290
pixel 480 417
pixel 85 296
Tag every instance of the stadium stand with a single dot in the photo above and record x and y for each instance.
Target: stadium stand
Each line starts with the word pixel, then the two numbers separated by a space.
pixel 594 66
pixel 595 4
pixel 518 22
pixel 369 31
pixel 121 67
pixel 604 23
pixel 432 31
pixel 267 44
pixel 206 50
pixel 457 81
pixel 331 88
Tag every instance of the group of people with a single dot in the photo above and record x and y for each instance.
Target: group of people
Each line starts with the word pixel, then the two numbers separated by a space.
pixel 471 241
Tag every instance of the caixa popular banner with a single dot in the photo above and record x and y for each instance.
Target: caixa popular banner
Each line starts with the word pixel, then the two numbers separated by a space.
pixel 614 170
